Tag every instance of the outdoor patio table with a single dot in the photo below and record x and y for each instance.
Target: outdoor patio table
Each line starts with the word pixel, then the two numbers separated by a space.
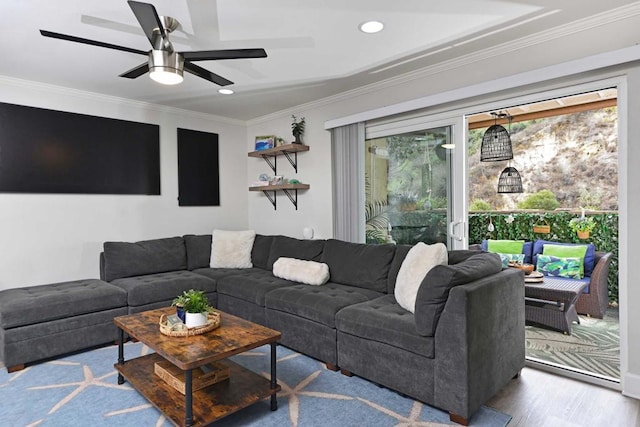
pixel 552 302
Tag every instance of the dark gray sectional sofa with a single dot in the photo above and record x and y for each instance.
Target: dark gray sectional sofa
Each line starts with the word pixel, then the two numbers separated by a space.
pixel 463 344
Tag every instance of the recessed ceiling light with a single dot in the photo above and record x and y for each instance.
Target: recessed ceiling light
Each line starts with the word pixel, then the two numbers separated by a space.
pixel 371 27
pixel 225 91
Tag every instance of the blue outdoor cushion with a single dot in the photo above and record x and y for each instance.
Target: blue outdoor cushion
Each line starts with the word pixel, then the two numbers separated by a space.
pixel 589 258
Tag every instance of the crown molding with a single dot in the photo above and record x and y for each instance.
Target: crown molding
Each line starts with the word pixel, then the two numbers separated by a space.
pixel 98 97
pixel 577 66
pixel 574 27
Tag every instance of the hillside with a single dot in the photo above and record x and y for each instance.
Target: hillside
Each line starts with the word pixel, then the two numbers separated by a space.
pixel 575 156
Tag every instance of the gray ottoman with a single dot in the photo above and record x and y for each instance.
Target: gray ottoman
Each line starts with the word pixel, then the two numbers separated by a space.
pixel 40 322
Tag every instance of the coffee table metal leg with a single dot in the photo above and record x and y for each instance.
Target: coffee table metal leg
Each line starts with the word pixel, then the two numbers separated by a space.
pixel 188 398
pixel 274 378
pixel 120 353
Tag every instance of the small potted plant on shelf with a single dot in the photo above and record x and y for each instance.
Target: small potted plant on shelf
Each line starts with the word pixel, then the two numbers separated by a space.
pixel 297 128
pixel 582 226
pixel 196 307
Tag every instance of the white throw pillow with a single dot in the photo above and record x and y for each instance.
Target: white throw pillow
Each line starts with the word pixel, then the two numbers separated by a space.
pixel 420 259
pixel 298 270
pixel 231 249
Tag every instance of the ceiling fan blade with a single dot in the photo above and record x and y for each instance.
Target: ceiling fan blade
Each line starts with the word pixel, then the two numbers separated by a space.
pixel 206 74
pixel 136 71
pixel 90 42
pixel 210 55
pixel 149 20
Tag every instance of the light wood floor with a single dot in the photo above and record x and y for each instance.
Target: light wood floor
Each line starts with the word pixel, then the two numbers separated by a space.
pixel 543 399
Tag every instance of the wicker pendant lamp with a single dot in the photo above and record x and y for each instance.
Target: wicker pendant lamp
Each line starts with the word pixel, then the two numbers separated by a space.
pixel 510 181
pixel 496 142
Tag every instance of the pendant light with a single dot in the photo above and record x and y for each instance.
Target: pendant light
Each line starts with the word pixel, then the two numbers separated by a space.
pixel 510 181
pixel 496 142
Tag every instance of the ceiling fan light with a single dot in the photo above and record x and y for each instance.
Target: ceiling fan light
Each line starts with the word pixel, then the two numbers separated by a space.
pixel 165 67
pixel 166 76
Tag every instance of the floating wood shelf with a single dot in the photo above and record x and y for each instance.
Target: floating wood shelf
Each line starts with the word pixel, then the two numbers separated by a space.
pixel 291 190
pixel 286 188
pixel 283 150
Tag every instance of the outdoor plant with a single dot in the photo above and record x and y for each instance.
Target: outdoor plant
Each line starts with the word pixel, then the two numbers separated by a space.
pixel 582 224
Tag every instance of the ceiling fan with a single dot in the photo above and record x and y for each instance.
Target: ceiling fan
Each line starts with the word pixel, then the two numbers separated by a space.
pixel 165 65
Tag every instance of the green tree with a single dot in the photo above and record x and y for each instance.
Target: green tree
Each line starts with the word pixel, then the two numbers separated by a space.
pixel 479 205
pixel 543 199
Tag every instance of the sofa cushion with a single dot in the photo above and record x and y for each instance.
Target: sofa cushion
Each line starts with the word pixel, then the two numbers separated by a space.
pixel 261 250
pixel 527 250
pixel 566 251
pixel 125 259
pixel 383 320
pixel 302 271
pixel 434 289
pixel 251 285
pixel 289 247
pixel 550 265
pixel 507 258
pixel 159 287
pixel 454 257
pixel 589 258
pixel 43 303
pixel 198 250
pixel 505 246
pixel 458 255
pixel 418 262
pixel 218 273
pixel 232 249
pixel 394 268
pixel 317 303
pixel 358 264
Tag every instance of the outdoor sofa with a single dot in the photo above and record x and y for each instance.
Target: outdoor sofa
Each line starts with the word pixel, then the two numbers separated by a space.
pixel 594 299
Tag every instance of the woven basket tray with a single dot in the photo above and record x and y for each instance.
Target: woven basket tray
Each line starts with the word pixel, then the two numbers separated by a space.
pixel 181 330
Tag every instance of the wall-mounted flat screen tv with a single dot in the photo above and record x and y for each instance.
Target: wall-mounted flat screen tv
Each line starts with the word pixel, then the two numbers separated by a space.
pixel 47 151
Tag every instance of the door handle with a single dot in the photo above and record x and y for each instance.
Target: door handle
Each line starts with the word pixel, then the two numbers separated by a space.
pixel 452 228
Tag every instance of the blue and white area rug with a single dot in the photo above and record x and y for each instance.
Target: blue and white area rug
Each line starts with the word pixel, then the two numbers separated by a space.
pixel 82 390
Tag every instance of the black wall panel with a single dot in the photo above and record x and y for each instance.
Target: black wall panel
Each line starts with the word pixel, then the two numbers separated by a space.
pixel 198 168
pixel 47 151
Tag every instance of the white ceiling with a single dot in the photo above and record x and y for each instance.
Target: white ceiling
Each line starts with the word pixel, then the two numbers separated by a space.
pixel 314 48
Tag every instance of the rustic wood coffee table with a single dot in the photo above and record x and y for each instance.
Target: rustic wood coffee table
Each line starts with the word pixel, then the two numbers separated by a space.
pixel 201 407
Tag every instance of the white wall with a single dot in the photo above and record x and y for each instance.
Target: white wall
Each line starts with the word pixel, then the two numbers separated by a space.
pixel 45 238
pixel 314 168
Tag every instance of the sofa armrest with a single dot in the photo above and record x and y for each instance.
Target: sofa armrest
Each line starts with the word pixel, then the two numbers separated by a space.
pixel 596 301
pixel 102 275
pixel 600 274
pixel 479 341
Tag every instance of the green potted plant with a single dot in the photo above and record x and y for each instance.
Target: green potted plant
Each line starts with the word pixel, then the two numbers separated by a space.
pixel 196 306
pixel 408 201
pixel 297 128
pixel 582 226
pixel 178 303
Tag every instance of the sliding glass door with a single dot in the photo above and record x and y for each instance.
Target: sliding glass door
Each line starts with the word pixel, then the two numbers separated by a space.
pixel 410 187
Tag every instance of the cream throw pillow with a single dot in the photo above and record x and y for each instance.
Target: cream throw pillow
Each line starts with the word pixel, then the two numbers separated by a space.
pixel 420 259
pixel 298 270
pixel 231 249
